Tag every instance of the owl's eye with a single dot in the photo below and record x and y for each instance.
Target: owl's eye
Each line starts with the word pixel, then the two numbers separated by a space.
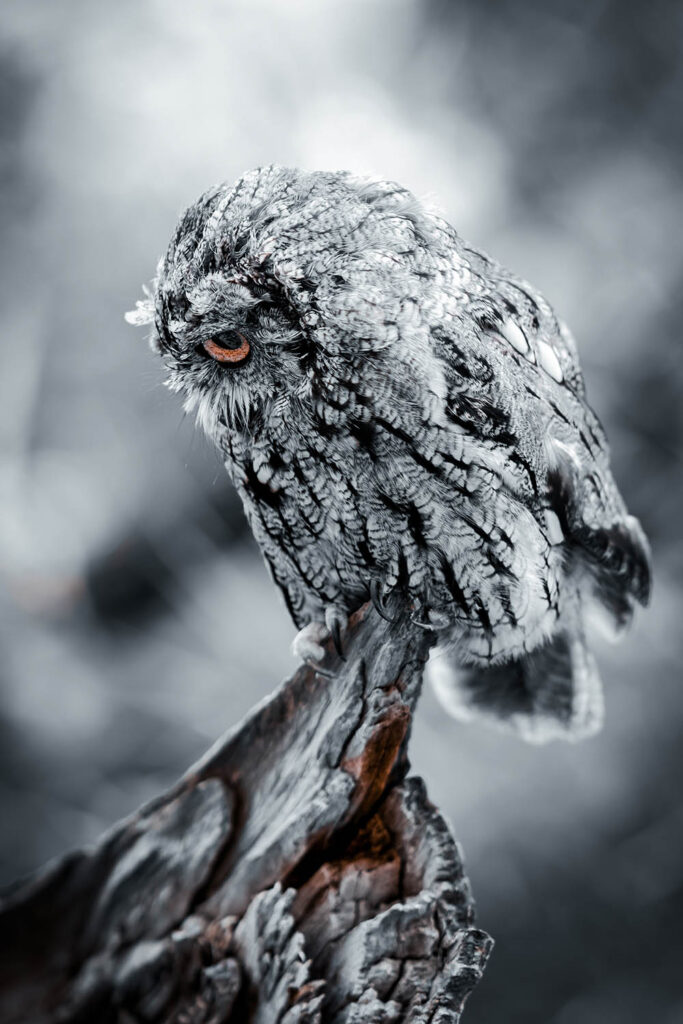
pixel 228 347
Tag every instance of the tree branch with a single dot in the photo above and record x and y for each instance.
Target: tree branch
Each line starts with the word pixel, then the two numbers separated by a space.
pixel 295 875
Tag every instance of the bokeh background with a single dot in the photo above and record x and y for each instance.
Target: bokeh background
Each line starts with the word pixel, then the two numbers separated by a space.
pixel 137 619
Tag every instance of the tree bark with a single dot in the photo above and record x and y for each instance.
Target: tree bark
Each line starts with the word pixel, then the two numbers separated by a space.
pixel 295 875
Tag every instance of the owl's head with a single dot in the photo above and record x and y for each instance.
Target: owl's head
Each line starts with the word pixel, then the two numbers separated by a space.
pixel 282 288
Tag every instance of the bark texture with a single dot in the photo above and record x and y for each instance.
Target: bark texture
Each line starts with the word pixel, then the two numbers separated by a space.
pixel 294 876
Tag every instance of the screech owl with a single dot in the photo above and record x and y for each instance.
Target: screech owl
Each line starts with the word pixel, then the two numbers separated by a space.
pixel 404 419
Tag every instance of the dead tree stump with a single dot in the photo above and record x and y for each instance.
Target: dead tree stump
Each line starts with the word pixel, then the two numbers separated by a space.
pixel 294 876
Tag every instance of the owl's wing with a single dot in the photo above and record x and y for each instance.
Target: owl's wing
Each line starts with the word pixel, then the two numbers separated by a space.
pixel 517 369
pixel 612 543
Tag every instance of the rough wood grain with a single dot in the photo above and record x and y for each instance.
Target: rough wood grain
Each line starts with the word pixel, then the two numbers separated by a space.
pixel 295 875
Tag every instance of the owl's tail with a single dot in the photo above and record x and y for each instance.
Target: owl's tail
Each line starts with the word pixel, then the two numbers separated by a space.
pixel 554 692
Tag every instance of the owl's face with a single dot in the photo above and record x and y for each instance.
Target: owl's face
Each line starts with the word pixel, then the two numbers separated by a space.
pixel 292 291
pixel 231 347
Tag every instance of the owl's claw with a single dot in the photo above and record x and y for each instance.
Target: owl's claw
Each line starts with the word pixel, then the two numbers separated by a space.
pixel 376 598
pixel 336 621
pixel 379 602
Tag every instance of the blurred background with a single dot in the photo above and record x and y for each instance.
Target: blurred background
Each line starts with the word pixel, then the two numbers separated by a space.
pixel 138 621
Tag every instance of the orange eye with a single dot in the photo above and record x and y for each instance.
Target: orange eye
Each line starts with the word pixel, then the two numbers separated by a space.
pixel 229 347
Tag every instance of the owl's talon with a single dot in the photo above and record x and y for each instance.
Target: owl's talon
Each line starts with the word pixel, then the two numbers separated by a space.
pixel 336 621
pixel 379 602
pixel 376 598
pixel 335 633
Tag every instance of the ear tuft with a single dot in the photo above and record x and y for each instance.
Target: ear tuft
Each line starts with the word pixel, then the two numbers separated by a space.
pixel 143 314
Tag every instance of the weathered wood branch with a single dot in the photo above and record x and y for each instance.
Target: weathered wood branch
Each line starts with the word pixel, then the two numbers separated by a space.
pixel 295 875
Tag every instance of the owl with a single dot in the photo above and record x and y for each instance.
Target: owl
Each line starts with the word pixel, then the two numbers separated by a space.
pixel 405 422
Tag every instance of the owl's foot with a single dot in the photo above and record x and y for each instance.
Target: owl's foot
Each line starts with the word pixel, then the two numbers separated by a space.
pixel 309 643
